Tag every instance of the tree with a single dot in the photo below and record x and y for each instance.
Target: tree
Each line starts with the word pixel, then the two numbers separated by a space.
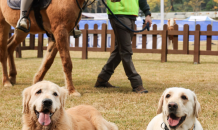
pixel 195 4
pixel 102 7
pixel 89 8
pixel 155 5
pixel 171 3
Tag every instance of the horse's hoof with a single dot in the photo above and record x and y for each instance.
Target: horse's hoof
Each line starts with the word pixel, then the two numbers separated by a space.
pixel 75 94
pixel 12 80
pixel 7 84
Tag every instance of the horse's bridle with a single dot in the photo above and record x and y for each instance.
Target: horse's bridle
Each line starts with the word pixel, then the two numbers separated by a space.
pixel 81 9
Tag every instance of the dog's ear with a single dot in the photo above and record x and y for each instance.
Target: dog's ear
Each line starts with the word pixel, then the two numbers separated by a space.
pixel 160 104
pixel 26 99
pixel 63 96
pixel 197 107
pixel 168 22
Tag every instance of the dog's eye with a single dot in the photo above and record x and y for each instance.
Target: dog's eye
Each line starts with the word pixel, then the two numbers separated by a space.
pixel 184 97
pixel 55 94
pixel 38 92
pixel 168 95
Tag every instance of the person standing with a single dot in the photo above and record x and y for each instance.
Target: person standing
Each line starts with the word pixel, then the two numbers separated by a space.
pixel 126 11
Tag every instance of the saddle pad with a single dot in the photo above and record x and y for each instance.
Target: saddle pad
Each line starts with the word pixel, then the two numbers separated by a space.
pixel 15 4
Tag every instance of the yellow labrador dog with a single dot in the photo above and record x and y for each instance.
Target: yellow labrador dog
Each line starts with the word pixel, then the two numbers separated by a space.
pixel 178 109
pixel 43 109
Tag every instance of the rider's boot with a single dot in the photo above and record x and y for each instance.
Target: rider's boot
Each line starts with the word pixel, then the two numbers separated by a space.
pixel 22 22
pixel 76 33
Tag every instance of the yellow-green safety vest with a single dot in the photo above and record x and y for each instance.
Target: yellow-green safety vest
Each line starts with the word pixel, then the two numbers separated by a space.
pixel 124 7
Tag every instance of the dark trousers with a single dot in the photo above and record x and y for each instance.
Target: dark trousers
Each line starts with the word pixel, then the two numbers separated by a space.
pixel 122 52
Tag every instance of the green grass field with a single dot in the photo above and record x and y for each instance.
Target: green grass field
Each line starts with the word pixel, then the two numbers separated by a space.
pixel 128 110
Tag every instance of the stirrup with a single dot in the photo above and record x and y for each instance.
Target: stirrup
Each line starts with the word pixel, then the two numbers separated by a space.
pixel 22 28
pixel 76 33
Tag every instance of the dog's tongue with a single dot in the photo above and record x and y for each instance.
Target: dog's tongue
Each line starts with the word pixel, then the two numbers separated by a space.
pixel 173 122
pixel 44 119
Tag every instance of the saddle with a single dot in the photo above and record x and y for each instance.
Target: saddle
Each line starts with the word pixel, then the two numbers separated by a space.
pixel 15 4
pixel 36 7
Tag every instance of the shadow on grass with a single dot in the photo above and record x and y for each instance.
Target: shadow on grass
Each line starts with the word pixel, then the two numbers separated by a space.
pixel 124 88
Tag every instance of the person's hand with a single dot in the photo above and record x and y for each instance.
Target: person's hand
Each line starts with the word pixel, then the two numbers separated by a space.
pixel 148 19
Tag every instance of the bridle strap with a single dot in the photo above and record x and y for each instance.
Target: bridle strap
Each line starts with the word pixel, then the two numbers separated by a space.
pixel 81 9
pixel 80 12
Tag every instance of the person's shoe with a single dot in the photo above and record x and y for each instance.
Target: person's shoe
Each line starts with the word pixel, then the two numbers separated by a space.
pixel 23 23
pixel 76 33
pixel 100 83
pixel 140 89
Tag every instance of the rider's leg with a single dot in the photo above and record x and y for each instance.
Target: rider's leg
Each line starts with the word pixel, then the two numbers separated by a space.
pixel 25 5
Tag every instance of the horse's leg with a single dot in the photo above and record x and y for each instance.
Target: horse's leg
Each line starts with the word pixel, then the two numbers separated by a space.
pixel 47 62
pixel 62 42
pixel 16 39
pixel 4 34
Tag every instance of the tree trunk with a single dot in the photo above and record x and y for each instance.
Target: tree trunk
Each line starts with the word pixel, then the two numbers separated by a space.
pixel 171 3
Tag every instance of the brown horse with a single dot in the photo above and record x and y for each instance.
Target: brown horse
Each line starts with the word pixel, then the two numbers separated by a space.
pixel 59 18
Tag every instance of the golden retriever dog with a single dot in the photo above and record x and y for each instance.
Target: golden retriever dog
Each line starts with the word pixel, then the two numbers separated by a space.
pixel 170 26
pixel 178 109
pixel 43 109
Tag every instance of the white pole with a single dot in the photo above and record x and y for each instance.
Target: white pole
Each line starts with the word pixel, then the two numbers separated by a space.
pixel 162 13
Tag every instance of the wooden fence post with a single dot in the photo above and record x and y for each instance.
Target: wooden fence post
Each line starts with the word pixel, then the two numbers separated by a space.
pixel 209 28
pixel 197 45
pixel 186 38
pixel 40 46
pixel 24 43
pixel 76 42
pixel 104 37
pixel 154 45
pixel 164 44
pixel 95 36
pixel 32 41
pixel 144 39
pixel 175 38
pixel 85 42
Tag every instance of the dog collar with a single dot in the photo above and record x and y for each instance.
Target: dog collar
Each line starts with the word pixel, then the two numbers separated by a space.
pixel 164 127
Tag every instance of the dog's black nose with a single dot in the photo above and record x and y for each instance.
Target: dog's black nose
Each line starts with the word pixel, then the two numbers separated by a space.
pixel 47 102
pixel 172 106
